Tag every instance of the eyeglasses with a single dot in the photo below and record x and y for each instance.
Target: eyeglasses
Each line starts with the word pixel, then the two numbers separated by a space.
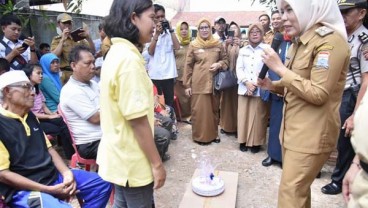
pixel 204 28
pixel 26 86
pixel 255 32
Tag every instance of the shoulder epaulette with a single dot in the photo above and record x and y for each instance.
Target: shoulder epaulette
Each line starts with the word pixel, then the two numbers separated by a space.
pixel 323 31
pixel 363 37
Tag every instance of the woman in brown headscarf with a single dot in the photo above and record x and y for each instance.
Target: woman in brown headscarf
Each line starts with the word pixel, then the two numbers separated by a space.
pixel 184 35
pixel 229 97
pixel 205 57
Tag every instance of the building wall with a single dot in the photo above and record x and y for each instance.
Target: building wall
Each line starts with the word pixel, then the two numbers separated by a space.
pixel 43 25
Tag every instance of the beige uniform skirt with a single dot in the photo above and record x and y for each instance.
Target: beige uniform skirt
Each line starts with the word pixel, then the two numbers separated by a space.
pixel 229 110
pixel 205 117
pixel 252 120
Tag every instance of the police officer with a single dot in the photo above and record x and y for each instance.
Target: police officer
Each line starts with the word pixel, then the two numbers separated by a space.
pixel 62 44
pixel 353 12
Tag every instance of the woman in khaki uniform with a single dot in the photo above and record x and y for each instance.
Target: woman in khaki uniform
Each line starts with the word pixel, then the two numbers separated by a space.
pixel 183 33
pixel 312 83
pixel 205 57
pixel 229 97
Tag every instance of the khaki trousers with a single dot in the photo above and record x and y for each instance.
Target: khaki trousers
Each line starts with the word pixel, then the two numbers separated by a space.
pixel 299 172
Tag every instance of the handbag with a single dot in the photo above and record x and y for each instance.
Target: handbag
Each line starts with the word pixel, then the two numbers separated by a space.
pixel 225 79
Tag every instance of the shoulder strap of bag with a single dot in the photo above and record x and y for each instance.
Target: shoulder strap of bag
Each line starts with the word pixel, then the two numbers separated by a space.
pixel 19 60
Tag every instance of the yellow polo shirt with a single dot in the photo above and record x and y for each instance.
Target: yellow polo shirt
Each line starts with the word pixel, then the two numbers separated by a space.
pixel 126 94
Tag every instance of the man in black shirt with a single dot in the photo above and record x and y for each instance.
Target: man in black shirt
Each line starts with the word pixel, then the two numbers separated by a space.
pixel 31 171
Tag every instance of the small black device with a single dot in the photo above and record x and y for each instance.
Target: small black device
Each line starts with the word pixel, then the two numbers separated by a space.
pixel 165 25
pixel 25 46
pixel 276 42
pixel 230 33
pixel 75 34
pixel 194 33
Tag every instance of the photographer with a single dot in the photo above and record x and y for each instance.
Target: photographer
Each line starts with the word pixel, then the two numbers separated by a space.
pixel 62 44
pixel 162 66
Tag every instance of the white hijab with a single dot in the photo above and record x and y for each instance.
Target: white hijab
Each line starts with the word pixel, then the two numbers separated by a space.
pixel 311 12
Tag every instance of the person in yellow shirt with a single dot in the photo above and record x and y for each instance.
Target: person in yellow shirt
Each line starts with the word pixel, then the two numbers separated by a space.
pixel 127 155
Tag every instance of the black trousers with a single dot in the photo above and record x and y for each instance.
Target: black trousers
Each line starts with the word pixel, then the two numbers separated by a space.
pixel 345 150
pixel 89 150
pixel 166 87
pixel 57 127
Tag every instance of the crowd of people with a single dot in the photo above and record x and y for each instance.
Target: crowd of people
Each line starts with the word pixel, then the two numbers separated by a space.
pixel 114 98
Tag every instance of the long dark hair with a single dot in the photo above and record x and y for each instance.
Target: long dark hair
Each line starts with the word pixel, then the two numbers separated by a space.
pixel 118 22
pixel 28 70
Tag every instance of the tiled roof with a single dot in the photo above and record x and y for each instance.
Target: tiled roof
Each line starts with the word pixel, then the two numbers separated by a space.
pixel 243 19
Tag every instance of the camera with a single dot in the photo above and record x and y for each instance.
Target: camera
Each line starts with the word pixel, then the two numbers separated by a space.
pixel 165 25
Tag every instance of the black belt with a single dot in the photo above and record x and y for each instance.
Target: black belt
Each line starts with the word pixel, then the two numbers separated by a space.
pixel 364 166
pixel 67 68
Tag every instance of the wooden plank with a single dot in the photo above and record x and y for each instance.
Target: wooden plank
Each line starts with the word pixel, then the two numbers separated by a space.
pixel 226 199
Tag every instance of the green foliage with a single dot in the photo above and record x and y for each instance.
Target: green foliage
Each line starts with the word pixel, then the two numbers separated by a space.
pixel 9 8
pixel 271 4
pixel 49 24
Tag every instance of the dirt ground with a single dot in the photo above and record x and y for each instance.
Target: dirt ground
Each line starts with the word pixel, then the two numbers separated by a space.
pixel 257 185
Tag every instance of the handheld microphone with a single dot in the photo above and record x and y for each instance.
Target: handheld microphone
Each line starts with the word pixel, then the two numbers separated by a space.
pixel 276 42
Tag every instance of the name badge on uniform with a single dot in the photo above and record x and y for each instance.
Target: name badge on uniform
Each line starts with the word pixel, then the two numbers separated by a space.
pixel 322 60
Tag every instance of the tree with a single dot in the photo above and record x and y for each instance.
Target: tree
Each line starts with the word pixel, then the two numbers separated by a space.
pixel 74 6
pixel 269 3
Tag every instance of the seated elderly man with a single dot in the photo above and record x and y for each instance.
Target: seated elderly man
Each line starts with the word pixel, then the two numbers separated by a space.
pixel 80 102
pixel 31 172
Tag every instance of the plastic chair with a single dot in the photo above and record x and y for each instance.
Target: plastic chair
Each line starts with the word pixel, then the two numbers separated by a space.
pixel 76 158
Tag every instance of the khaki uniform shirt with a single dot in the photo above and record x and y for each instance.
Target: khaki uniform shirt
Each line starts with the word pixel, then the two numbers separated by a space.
pixel 268 37
pixel 180 56
pixel 313 89
pixel 67 47
pixel 196 72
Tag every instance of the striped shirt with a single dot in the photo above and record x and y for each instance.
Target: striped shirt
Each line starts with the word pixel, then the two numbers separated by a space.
pixel 358 64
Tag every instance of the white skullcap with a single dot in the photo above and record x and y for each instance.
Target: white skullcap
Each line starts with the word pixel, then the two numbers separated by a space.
pixel 98 62
pixel 12 77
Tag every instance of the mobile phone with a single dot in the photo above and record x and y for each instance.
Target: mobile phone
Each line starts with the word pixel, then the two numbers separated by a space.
pixel 194 33
pixel 25 46
pixel 75 34
pixel 230 33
